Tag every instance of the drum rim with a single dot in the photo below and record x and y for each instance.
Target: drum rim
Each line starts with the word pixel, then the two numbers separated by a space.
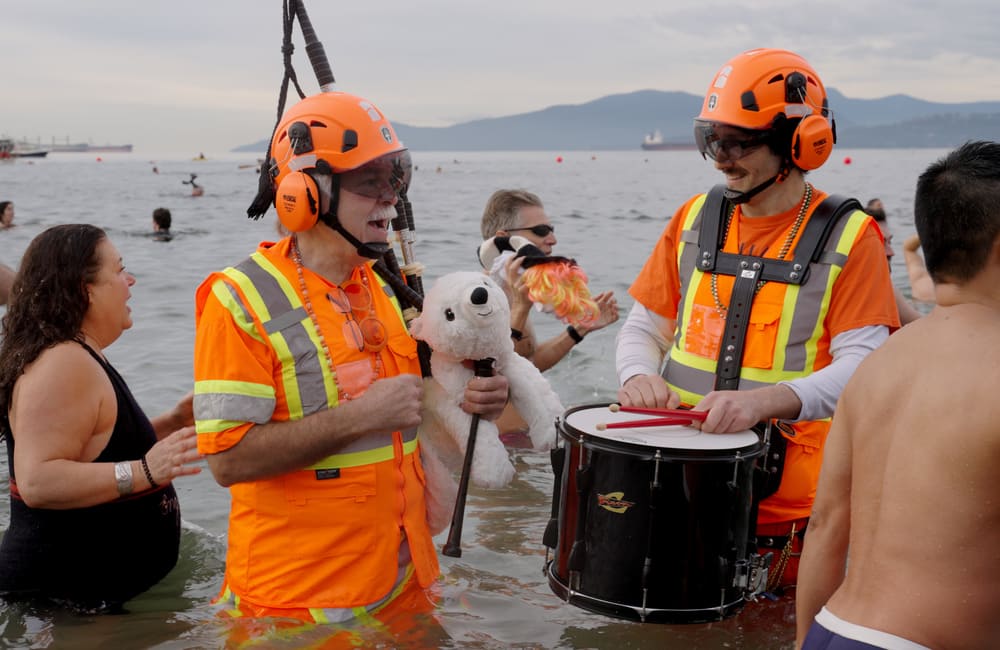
pixel 649 452
pixel 566 594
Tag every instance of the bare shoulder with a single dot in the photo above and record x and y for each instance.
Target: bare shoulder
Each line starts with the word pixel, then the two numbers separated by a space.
pixel 65 370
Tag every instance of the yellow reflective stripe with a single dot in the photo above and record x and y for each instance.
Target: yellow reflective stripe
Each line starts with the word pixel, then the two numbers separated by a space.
pixel 363 614
pixel 216 426
pixel 680 334
pixel 225 296
pixel 278 344
pixel 232 387
pixel 288 370
pixel 367 457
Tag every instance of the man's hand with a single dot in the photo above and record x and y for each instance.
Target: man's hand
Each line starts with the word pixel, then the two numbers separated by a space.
pixel 648 391
pixel 394 403
pixel 486 396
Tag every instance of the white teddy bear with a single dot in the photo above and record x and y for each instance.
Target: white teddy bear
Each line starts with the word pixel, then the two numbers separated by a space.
pixel 466 317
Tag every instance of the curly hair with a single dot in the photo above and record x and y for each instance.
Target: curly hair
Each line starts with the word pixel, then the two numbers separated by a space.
pixel 48 299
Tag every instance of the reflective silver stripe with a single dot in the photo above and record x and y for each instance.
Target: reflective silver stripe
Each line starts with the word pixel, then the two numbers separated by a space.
pixel 374 441
pixel 699 381
pixel 811 303
pixel 288 319
pixel 289 322
pixel 833 257
pixel 227 406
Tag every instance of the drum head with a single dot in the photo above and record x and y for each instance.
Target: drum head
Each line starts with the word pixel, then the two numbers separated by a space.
pixel 585 420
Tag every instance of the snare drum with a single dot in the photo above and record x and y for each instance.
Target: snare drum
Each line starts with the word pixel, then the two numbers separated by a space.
pixel 653 522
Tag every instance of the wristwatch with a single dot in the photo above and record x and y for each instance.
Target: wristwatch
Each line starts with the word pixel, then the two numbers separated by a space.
pixel 123 477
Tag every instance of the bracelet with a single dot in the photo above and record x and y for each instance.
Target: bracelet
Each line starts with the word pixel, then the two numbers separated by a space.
pixel 573 334
pixel 516 334
pixel 149 474
pixel 123 478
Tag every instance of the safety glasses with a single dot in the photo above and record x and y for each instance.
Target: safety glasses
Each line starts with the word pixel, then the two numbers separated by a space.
pixel 384 178
pixel 542 229
pixel 368 333
pixel 712 146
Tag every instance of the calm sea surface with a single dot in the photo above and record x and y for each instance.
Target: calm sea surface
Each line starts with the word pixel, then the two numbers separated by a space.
pixel 608 209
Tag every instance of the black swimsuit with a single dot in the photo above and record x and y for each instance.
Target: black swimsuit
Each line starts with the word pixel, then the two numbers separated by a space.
pixel 101 556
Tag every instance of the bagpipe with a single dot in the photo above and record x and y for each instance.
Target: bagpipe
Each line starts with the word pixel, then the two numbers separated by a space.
pixel 406 280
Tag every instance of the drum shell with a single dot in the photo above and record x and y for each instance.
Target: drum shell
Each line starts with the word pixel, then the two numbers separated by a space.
pixel 681 516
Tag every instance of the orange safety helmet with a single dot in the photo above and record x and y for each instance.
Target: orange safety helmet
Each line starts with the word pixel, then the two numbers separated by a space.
pixel 329 133
pixel 769 89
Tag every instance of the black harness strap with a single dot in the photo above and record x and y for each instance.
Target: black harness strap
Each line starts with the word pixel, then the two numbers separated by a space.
pixel 749 269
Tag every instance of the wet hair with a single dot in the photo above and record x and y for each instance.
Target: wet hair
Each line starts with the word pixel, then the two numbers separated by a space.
pixel 875 210
pixel 502 210
pixel 48 299
pixel 161 216
pixel 956 211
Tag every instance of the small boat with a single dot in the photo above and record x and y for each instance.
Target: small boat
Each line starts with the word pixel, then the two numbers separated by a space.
pixel 28 151
pixel 6 147
pixel 29 154
pixel 654 142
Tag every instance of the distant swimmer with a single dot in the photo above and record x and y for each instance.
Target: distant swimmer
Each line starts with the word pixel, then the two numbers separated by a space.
pixel 196 190
pixel 161 224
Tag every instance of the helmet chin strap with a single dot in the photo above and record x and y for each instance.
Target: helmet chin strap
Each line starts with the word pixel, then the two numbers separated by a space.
pixel 738 197
pixel 373 250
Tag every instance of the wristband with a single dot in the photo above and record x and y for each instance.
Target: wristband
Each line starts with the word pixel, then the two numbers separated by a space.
pixel 149 474
pixel 123 478
pixel 515 334
pixel 573 334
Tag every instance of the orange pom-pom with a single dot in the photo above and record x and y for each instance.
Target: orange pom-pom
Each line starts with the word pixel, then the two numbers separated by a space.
pixel 563 287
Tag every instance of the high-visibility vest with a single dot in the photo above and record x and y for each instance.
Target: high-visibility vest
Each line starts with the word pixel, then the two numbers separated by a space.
pixel 326 536
pixel 786 339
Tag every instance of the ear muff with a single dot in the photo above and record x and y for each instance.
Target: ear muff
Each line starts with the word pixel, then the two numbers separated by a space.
pixel 812 142
pixel 297 202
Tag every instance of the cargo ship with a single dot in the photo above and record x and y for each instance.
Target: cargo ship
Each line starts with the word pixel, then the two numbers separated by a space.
pixel 86 147
pixel 654 142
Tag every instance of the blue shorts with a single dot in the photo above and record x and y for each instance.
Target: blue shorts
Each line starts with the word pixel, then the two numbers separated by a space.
pixel 829 632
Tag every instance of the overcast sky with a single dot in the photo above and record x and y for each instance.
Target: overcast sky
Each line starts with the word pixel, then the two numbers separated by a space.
pixel 181 76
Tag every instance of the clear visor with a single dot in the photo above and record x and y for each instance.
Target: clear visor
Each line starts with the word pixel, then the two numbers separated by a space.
pixel 733 146
pixel 383 178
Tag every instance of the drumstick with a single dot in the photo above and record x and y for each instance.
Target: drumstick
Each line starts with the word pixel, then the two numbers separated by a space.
pixel 652 422
pixel 692 415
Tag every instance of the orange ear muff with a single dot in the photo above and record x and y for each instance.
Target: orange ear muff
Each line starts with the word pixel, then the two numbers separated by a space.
pixel 812 142
pixel 297 202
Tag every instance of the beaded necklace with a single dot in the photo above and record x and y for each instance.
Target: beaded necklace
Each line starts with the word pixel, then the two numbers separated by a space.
pixel 307 303
pixel 807 199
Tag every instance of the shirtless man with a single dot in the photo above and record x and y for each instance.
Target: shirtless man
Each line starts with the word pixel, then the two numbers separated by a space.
pixel 908 482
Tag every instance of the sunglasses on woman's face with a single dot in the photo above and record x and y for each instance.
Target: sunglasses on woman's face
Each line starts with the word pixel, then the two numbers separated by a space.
pixel 542 229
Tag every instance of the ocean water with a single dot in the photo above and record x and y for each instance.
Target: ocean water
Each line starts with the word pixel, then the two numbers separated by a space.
pixel 608 209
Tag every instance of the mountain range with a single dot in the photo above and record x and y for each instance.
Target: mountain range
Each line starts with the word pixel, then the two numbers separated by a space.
pixel 619 122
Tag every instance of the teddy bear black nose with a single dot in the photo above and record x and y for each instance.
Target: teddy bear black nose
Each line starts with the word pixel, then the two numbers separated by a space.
pixel 480 296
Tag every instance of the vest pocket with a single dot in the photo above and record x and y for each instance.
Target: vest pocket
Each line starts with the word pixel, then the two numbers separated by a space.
pixel 342 502
pixel 762 334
